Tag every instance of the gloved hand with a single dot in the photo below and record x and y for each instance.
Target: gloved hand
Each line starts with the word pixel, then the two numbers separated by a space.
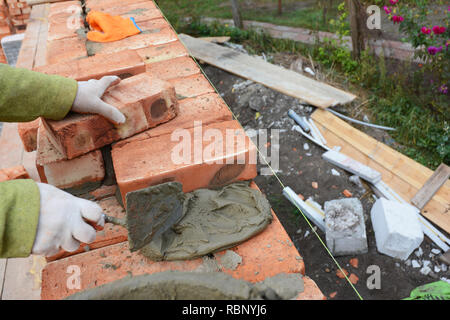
pixel 61 223
pixel 88 99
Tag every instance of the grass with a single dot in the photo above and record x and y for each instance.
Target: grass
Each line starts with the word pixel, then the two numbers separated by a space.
pixel 397 92
pixel 294 14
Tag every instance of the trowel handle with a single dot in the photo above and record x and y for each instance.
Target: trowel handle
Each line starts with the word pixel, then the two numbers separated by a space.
pixel 116 221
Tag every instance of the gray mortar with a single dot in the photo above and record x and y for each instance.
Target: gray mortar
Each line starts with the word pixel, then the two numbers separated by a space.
pixel 175 285
pixel 214 220
pixel 230 260
pixel 84 188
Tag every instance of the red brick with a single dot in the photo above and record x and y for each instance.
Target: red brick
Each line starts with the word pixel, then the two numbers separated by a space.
pixel 111 234
pixel 144 100
pixel 101 5
pixel 48 149
pixel 192 86
pixel 162 52
pixel 74 173
pixel 66 49
pixel 28 134
pixel 155 32
pixel 102 266
pixel 210 108
pixel 13 173
pixel 141 11
pixel 64 25
pixel 140 164
pixel 124 64
pixel 63 8
pixel 174 68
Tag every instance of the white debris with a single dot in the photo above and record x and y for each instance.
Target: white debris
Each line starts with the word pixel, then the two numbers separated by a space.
pixel 419 252
pixel 356 180
pixel 309 154
pixel 425 270
pixel 444 267
pixel 306 233
pixel 437 269
pixel 435 251
pixel 306 146
pixel 431 255
pixel 408 263
pixel 308 69
pixel 397 230
pixel 298 231
pixel 397 264
pixel 345 229
pixel 335 172
pixel 415 264
pixel 426 263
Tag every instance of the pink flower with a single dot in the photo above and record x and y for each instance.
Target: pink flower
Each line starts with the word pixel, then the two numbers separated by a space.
pixel 433 50
pixel 397 19
pixel 393 1
pixel 387 10
pixel 443 89
pixel 438 30
pixel 425 30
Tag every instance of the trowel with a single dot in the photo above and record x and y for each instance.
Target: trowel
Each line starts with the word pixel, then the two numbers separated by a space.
pixel 150 212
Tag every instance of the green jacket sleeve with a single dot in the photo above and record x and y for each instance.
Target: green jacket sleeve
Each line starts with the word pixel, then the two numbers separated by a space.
pixel 19 215
pixel 26 95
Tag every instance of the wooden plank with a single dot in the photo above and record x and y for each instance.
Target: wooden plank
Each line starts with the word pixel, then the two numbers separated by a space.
pixel 23 278
pixel 275 77
pixel 29 45
pixel 404 167
pixel 437 209
pixel 437 179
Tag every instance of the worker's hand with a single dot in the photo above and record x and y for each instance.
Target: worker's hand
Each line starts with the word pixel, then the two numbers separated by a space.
pixel 88 99
pixel 61 223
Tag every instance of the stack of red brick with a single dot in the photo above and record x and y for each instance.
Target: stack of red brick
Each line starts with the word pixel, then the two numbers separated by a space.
pixel 5 29
pixel 162 90
pixel 19 13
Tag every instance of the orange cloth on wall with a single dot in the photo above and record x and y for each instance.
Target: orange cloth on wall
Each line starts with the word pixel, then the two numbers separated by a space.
pixel 108 28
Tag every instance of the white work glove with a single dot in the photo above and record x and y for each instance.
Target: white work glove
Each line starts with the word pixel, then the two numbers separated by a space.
pixel 88 99
pixel 61 223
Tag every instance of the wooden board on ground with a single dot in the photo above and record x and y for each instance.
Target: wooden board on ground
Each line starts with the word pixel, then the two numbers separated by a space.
pixel 215 39
pixel 437 179
pixel 402 174
pixel 275 77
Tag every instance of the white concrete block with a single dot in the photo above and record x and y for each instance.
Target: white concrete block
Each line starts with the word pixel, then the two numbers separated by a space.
pixel 397 230
pixel 344 227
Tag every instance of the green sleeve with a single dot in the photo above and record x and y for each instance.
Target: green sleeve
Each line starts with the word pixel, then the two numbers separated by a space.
pixel 26 95
pixel 19 215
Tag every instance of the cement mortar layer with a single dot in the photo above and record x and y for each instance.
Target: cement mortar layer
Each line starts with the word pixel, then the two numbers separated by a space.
pixel 176 285
pixel 214 220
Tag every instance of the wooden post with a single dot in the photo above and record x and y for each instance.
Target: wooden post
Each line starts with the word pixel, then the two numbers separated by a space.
pixel 236 14
pixel 356 28
pixel 280 7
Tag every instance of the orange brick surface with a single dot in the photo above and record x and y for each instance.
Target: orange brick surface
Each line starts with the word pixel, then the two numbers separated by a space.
pixel 192 86
pixel 143 163
pixel 125 63
pixel 13 173
pixel 75 173
pixel 208 108
pixel 141 11
pixel 65 49
pixel 144 100
pixel 28 134
pixel 174 68
pixel 163 52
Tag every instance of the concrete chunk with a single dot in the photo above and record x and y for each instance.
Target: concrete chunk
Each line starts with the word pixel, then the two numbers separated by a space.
pixel 344 227
pixel 397 230
pixel 353 166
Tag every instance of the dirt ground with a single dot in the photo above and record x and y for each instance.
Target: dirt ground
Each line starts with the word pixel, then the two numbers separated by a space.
pixel 298 168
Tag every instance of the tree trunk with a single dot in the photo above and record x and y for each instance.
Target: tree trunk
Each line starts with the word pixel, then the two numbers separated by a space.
pixel 356 27
pixel 280 7
pixel 236 14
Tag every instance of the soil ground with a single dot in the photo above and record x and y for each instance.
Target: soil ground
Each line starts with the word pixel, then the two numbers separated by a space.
pixel 298 168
